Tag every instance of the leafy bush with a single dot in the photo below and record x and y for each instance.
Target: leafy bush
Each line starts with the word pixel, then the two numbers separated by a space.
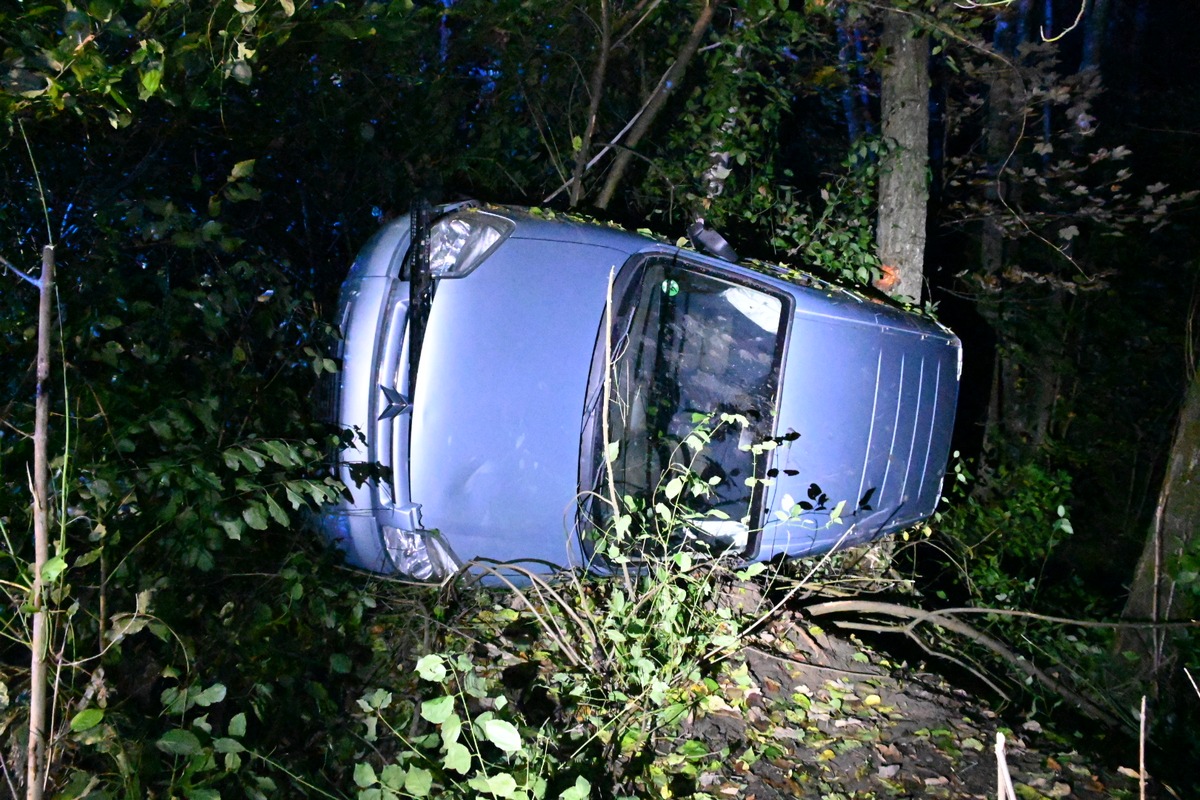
pixel 1002 532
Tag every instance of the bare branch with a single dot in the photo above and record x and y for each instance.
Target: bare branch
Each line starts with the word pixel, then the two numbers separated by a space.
pixel 4 262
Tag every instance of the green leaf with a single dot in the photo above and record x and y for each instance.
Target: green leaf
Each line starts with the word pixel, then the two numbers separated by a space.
pixel 227 745
pixel 277 513
pixel 237 725
pixel 419 781
pixel 451 729
pixel 179 742
pixel 255 516
pixel 673 488
pixel 86 719
pixel 233 528
pixel 202 793
pixel 582 790
pixel 53 568
pixel 364 775
pixel 151 79
pixel 502 785
pixel 753 570
pixel 393 776
pixel 438 710
pixel 242 169
pixel 503 734
pixel 213 694
pixel 432 668
pixel 458 758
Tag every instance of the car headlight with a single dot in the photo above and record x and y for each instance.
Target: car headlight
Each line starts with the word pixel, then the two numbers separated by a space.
pixel 460 242
pixel 420 555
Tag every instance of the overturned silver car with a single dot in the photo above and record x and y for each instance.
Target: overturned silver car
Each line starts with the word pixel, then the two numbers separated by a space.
pixel 517 385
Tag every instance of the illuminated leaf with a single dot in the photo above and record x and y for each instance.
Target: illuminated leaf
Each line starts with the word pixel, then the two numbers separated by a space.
pixel 503 734
pixel 86 719
pixel 437 710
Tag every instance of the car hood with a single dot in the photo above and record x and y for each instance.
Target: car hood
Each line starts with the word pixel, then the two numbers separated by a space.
pixel 494 444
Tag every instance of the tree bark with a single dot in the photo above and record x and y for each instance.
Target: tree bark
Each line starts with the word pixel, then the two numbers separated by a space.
pixel 657 100
pixel 903 187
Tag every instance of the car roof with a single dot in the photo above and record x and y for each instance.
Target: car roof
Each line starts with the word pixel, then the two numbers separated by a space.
pixel 817 294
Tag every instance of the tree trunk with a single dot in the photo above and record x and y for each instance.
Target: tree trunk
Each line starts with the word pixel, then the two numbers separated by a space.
pixel 657 100
pixel 595 93
pixel 1094 29
pixel 1155 594
pixel 903 187
pixel 1005 109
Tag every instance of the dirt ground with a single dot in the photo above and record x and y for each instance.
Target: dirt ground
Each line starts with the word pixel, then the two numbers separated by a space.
pixel 809 715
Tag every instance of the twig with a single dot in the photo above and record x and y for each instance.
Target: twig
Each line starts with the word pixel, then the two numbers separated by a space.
pixel 1004 784
pixel 609 145
pixel 552 631
pixel 28 278
pixel 1079 623
pixel 36 765
pixel 1192 680
pixel 38 179
pixel 1142 753
pixel 595 92
pixel 978 673
pixel 657 100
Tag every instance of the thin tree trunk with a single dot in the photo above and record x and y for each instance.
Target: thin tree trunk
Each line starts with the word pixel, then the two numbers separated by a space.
pixel 657 101
pixel 36 756
pixel 1154 595
pixel 596 92
pixel 903 188
pixel 1004 115
pixel 1093 34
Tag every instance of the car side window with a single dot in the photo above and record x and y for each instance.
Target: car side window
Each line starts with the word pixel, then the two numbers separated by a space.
pixel 694 379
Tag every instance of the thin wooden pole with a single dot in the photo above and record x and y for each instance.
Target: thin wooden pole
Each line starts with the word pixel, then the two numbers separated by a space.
pixel 36 761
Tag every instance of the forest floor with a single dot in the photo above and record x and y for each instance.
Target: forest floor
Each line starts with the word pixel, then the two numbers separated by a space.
pixel 812 715
pixel 800 712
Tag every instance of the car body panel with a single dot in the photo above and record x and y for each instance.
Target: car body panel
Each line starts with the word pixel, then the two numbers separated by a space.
pixel 871 432
pixel 495 438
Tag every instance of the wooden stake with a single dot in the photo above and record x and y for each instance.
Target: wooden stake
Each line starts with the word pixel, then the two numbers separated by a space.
pixel 36 757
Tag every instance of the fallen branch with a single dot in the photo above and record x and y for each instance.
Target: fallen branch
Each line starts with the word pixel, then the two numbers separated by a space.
pixel 942 619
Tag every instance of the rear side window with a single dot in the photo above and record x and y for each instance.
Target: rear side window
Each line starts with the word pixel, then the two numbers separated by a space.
pixel 694 376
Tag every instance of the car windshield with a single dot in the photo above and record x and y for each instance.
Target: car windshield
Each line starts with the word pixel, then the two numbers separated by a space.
pixel 695 368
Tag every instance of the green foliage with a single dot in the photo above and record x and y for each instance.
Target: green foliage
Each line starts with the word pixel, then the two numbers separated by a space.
pixel 476 745
pixel 738 114
pixel 1002 533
